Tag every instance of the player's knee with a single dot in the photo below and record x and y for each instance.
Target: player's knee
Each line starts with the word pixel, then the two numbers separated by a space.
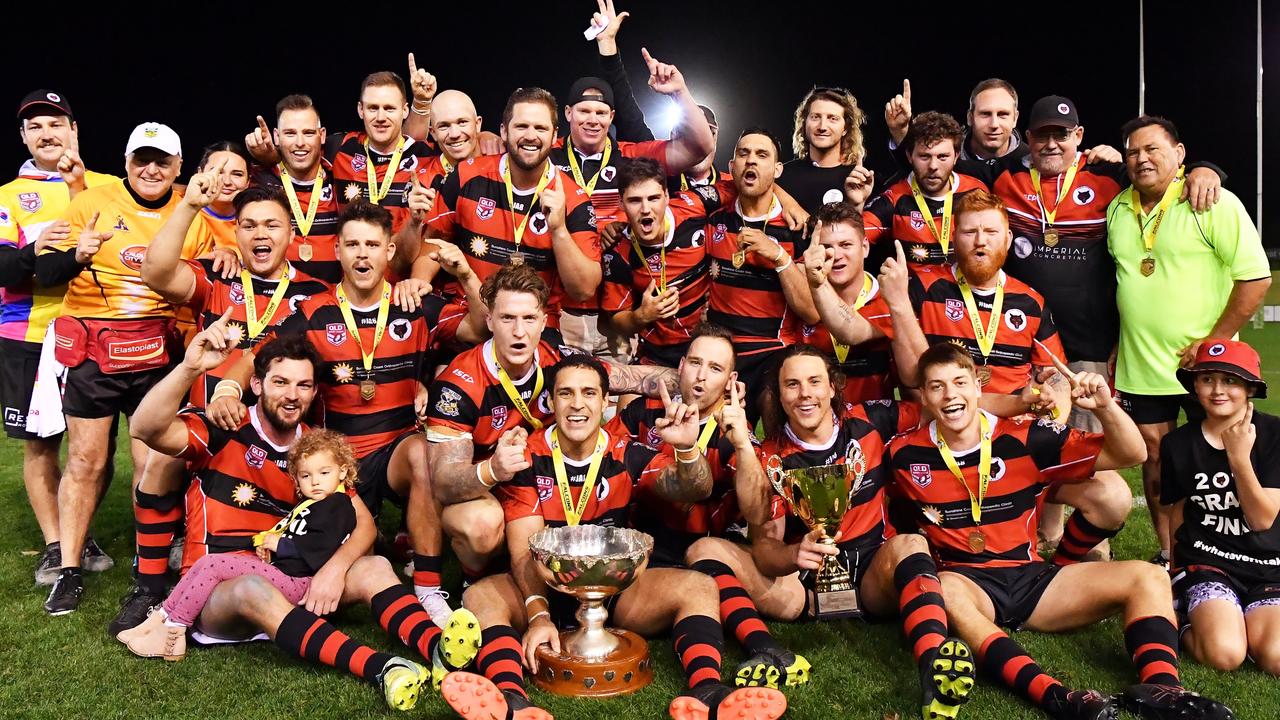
pixel 1108 501
pixel 370 574
pixel 1149 581
pixel 251 592
pixel 1220 651
pixel 906 545
pixel 709 548
pixel 482 529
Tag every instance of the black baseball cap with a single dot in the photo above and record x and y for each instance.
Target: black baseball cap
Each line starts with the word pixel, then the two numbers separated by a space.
pixel 1053 111
pixel 591 88
pixel 710 115
pixel 44 102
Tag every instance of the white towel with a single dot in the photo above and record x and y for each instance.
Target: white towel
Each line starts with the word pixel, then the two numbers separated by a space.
pixel 44 417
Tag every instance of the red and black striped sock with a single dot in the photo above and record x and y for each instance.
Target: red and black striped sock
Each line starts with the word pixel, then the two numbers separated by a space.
pixel 155 521
pixel 402 616
pixel 924 615
pixel 311 638
pixel 1152 644
pixel 1003 658
pixel 426 570
pixel 1079 536
pixel 500 658
pixel 699 643
pixel 737 610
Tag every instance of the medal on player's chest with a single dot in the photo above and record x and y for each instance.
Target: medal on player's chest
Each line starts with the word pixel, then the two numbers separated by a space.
pixel 367 389
pixel 977 542
pixel 739 257
pixel 984 375
pixel 1051 237
pixel 1148 266
pixel 517 258
pixel 304 252
pixel 977 539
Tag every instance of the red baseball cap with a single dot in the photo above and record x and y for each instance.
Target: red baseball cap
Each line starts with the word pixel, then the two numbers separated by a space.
pixel 1227 356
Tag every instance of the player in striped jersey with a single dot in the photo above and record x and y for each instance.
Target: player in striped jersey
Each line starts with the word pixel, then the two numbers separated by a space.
pixel 31 207
pixel 976 482
pixel 576 453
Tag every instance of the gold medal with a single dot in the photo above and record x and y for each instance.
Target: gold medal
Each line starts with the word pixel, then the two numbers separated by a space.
pixel 367 389
pixel 739 258
pixel 1148 266
pixel 984 375
pixel 517 258
pixel 977 541
pixel 1051 238
pixel 304 252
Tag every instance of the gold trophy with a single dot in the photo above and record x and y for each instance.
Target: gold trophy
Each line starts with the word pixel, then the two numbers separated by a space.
pixel 592 563
pixel 820 496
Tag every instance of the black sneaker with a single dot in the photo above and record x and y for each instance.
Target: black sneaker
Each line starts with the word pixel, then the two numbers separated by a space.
pixel 50 564
pixel 772 668
pixel 65 596
pixel 1171 702
pixel 1086 705
pixel 134 608
pixel 94 558
pixel 1160 559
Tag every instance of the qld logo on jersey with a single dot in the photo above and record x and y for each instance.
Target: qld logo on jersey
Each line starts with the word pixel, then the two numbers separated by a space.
pixel 955 310
pixel 917 220
pixel 719 233
pixel 546 486
pixel 485 207
pixel 652 438
pixel 237 293
pixel 655 264
pixel 358 162
pixel 921 474
pixel 499 417
pixel 255 456
pixel 30 201
pixel 335 333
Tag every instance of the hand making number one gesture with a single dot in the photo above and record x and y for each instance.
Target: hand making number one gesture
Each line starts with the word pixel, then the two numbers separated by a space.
pixel 1089 391
pixel 678 427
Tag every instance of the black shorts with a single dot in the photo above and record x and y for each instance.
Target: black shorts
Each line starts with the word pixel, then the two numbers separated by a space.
pixel 90 393
pixel 1190 587
pixel 17 378
pixel 1155 409
pixel 1014 591
pixel 373 487
pixel 670 546
pixel 856 559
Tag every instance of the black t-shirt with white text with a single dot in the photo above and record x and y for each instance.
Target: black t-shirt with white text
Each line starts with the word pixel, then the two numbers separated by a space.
pixel 1214 531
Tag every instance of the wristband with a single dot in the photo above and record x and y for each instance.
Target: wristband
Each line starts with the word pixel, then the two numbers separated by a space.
pixel 785 265
pixel 228 384
pixel 531 598
pixel 691 460
pixel 480 475
pixel 416 111
pixel 539 614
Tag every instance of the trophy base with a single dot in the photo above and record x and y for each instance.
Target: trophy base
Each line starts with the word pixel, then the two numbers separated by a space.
pixel 834 604
pixel 621 672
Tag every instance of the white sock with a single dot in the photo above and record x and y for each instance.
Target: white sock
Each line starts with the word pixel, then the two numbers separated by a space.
pixel 167 621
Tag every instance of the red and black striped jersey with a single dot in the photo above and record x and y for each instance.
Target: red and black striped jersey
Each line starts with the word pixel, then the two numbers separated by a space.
pixel 711 516
pixel 604 196
pixel 397 363
pixel 748 300
pixel 1076 274
pixel 213 295
pixel 351 161
pixel 684 251
pixel 433 173
pixel 239 487
pixel 868 368
pixel 472 212
pixel 315 253
pixel 1025 334
pixel 862 434
pixel 894 215
pixel 467 401
pixel 626 465
pixel 1028 455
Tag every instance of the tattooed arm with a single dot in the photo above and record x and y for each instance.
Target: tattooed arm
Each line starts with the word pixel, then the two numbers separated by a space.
pixel 685 482
pixel 644 380
pixel 453 476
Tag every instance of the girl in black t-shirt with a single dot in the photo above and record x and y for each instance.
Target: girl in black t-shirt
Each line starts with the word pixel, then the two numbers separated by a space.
pixel 1222 477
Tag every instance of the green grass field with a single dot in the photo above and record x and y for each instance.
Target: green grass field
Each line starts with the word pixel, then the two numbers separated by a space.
pixel 68 667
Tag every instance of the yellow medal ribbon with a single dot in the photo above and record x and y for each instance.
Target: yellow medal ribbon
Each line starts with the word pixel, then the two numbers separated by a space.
pixel 517 229
pixel 572 514
pixel 446 165
pixel 986 339
pixel 258 324
pixel 707 431
pixel 384 309
pixel 1063 189
pixel 984 467
pixel 943 236
pixel 378 192
pixel 842 350
pixel 589 187
pixel 1149 230
pixel 662 255
pixel 514 395
pixel 304 221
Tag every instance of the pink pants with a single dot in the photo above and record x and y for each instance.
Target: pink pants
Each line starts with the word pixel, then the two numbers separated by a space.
pixel 189 596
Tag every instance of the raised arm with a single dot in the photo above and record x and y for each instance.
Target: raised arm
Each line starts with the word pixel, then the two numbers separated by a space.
pixel 628 118
pixel 156 422
pixel 423 87
pixel 842 321
pixel 1123 445
pixel 694 141
pixel 580 274
pixel 647 380
pixel 688 479
pixel 162 267
pixel 455 479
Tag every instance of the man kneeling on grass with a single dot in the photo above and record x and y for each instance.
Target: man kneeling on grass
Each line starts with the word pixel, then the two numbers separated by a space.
pixel 240 476
pixel 976 482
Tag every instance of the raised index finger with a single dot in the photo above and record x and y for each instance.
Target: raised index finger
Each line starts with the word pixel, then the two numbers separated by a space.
pixel 262 124
pixel 648 60
pixel 664 395
pixel 1061 366
pixel 93 221
pixel 897 249
pixel 906 89
pixel 413 66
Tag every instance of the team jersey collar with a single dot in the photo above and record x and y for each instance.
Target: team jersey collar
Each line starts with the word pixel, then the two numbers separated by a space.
pixel 835 431
pixel 933 433
pixel 289 270
pixel 775 209
pixel 955 274
pixel 256 421
pixel 490 355
pixel 502 171
pixel 608 443
pixel 408 143
pixel 31 172
pixel 594 156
